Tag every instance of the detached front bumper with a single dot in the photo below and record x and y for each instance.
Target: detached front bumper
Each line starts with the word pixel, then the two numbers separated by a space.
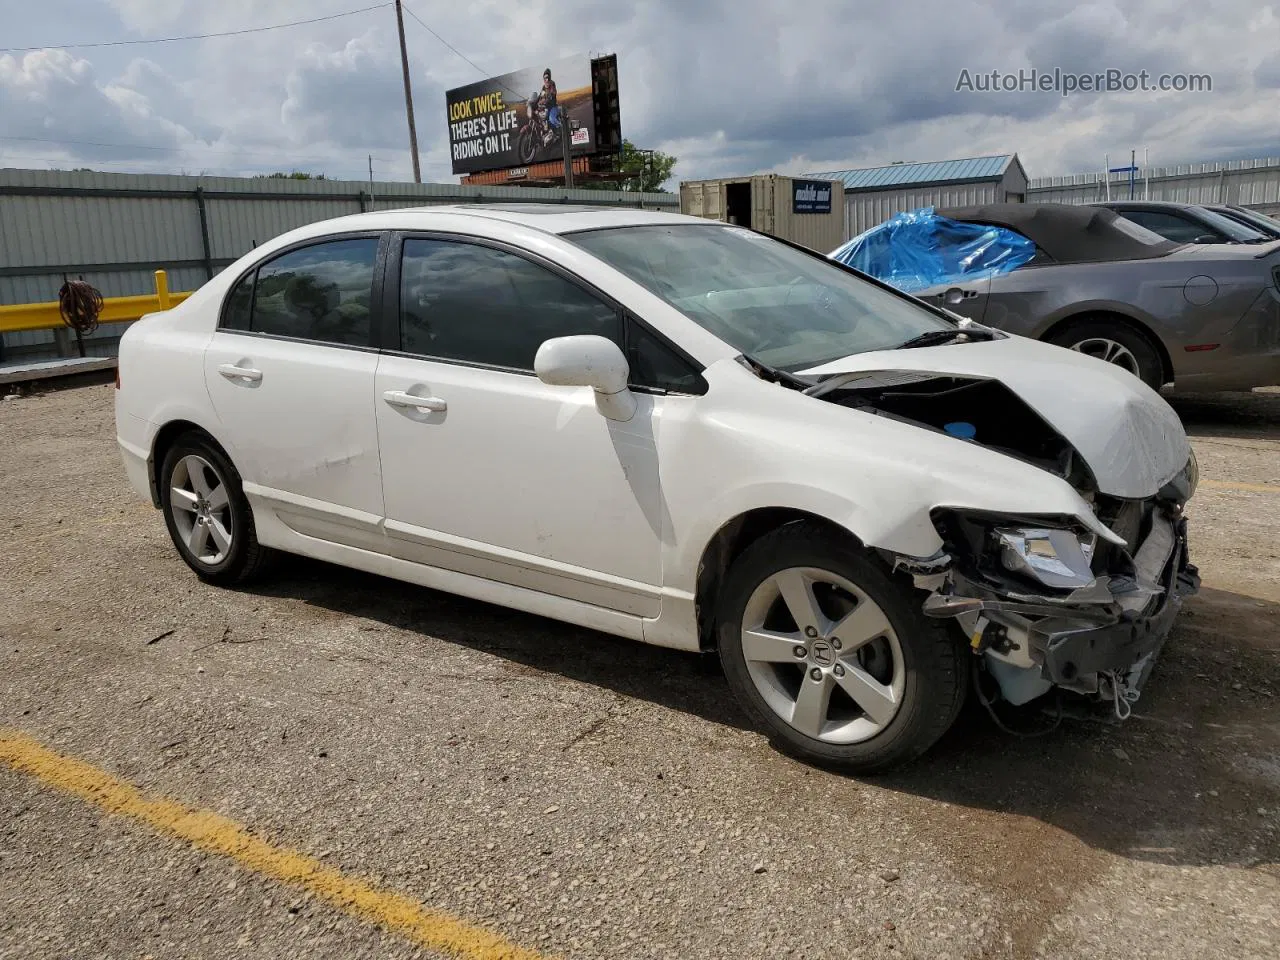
pixel 1101 640
pixel 1070 653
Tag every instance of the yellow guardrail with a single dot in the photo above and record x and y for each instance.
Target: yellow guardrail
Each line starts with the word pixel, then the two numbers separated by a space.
pixel 47 316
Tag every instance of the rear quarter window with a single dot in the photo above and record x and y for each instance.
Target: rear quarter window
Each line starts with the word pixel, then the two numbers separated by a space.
pixel 321 292
pixel 236 314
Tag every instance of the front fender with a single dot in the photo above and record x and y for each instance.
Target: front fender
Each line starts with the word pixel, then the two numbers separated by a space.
pixel 883 497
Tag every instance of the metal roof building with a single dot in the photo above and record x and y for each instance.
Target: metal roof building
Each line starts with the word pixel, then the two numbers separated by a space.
pixel 873 194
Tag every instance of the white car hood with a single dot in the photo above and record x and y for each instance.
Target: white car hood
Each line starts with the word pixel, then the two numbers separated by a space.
pixel 1128 434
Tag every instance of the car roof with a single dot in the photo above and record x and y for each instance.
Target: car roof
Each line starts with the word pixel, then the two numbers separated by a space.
pixel 1068 233
pixel 547 217
pixel 1171 204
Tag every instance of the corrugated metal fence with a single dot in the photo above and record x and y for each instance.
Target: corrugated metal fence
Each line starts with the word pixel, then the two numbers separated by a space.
pixel 1249 183
pixel 116 229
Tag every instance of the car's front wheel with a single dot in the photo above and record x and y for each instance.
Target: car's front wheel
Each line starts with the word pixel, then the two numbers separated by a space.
pixel 207 514
pixel 832 655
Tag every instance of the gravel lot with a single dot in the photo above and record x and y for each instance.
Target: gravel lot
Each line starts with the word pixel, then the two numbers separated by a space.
pixel 586 796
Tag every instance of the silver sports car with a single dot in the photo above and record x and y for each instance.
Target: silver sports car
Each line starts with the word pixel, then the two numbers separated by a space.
pixel 1197 316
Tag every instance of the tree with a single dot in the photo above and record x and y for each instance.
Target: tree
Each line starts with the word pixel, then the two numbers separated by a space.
pixel 650 169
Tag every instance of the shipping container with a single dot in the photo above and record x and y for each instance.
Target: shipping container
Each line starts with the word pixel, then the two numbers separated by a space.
pixel 805 211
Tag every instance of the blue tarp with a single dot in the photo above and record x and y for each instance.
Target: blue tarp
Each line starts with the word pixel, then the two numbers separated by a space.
pixel 920 249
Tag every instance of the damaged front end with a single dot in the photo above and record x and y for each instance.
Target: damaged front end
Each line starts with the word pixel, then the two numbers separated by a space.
pixel 1047 603
pixel 1082 603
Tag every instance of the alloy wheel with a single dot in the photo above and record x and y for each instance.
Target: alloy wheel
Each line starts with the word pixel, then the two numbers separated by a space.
pixel 201 507
pixel 823 655
pixel 1110 351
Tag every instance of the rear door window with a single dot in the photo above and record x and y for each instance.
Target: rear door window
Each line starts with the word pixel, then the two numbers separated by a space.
pixel 322 292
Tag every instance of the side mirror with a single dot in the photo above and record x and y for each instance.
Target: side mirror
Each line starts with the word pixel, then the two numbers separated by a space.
pixel 1206 238
pixel 587 360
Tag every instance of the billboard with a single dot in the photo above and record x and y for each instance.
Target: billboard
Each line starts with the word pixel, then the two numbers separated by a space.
pixel 811 196
pixel 492 125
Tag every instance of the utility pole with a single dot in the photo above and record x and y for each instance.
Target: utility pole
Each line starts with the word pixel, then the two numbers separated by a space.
pixel 371 178
pixel 565 137
pixel 408 95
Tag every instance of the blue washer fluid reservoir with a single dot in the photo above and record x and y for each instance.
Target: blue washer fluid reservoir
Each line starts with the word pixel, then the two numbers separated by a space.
pixel 961 429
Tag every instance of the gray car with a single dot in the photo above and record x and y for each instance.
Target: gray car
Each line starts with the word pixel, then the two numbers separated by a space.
pixel 1198 316
pixel 1185 222
pixel 1250 218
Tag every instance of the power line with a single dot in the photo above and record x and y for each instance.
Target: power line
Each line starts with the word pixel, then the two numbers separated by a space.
pixel 195 36
pixel 564 134
pixel 520 97
pixel 444 41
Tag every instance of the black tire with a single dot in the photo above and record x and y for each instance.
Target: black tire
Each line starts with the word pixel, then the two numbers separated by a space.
pixel 526 149
pixel 246 559
pixel 934 658
pixel 1150 368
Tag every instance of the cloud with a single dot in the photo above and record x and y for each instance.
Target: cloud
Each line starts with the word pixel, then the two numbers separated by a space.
pixel 352 97
pixel 729 86
pixel 53 102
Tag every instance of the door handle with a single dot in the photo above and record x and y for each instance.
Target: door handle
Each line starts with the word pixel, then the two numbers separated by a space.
pixel 233 372
pixel 398 398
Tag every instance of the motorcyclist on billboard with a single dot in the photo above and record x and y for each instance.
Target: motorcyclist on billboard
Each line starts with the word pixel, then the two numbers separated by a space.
pixel 547 97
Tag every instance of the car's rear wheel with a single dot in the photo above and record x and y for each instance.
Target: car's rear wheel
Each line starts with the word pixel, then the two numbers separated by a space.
pixel 207 514
pixel 1116 343
pixel 832 656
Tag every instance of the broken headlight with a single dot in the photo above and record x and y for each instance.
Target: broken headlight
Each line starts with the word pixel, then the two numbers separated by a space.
pixel 1181 488
pixel 1055 557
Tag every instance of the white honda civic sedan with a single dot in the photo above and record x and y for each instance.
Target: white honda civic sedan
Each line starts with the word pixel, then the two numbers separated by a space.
pixel 682 432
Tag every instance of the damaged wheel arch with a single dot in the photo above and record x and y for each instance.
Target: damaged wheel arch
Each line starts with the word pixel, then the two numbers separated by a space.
pixel 732 539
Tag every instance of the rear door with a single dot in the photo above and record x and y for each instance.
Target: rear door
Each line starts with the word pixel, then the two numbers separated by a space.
pixel 290 372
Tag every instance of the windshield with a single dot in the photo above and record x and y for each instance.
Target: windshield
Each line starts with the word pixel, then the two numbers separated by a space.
pixel 1258 221
pixel 1232 228
pixel 783 307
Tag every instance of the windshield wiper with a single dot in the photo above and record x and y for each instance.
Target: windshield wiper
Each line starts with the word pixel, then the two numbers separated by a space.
pixel 933 338
pixel 773 374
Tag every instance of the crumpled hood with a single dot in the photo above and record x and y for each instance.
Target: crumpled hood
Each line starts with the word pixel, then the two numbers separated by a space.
pixel 1128 434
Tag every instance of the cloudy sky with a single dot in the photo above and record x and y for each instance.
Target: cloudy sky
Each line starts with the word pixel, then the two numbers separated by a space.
pixel 728 86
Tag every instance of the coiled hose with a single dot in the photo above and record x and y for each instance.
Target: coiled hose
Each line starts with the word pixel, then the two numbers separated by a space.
pixel 80 305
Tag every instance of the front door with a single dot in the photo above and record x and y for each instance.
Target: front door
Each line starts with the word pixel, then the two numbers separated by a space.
pixel 490 472
pixel 290 373
pixel 968 298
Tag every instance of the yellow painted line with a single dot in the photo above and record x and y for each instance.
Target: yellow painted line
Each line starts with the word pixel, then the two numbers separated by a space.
pixel 213 833
pixel 1245 487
